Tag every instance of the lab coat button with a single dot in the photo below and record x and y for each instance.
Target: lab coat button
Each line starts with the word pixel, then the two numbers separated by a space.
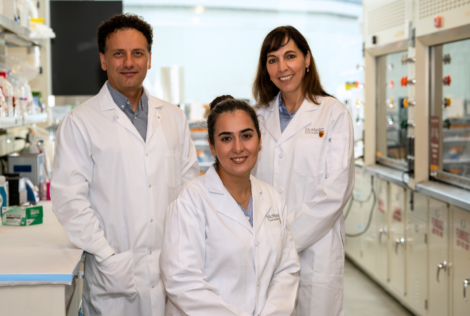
pixel 150 186
pixel 280 190
pixel 256 242
pixel 281 155
pixel 150 252
pixel 153 286
pixel 258 283
pixel 146 154
pixel 151 220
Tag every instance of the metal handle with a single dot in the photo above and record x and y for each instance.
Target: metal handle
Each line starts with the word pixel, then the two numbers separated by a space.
pixel 441 266
pixel 399 241
pixel 465 283
pixel 381 232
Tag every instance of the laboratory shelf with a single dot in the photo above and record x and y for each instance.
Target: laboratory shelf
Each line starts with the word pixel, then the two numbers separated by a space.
pixel 20 121
pixel 453 140
pixel 11 122
pixel 201 143
pixel 454 131
pixel 13 34
pixel 456 161
pixel 199 135
pixel 35 118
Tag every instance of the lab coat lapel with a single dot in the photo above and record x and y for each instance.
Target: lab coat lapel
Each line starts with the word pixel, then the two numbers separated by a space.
pixel 154 115
pixel 223 201
pixel 301 119
pixel 107 103
pixel 261 206
pixel 272 122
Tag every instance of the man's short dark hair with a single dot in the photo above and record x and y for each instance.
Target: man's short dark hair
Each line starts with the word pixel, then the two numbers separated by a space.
pixel 123 22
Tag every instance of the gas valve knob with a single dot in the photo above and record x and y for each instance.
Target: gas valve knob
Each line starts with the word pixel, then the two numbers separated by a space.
pixel 447 80
pixel 405 59
pixel 405 81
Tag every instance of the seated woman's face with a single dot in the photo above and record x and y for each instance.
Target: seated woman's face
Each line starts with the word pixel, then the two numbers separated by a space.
pixel 236 143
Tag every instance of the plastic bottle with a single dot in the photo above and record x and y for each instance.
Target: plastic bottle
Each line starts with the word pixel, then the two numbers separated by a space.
pixel 3 104
pixel 8 92
pixel 19 94
pixel 29 104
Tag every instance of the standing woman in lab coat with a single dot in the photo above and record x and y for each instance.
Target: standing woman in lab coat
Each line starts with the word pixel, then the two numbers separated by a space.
pixel 308 157
pixel 227 247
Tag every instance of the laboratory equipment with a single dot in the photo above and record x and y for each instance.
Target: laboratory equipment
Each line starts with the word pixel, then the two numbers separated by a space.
pixel 28 165
pixel 16 189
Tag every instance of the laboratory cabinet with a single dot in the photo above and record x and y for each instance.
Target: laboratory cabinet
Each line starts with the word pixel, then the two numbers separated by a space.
pixel 382 222
pixel 369 238
pixel 417 247
pixel 397 239
pixel 461 261
pixel 416 251
pixel 354 217
pixel 439 264
pixel 360 222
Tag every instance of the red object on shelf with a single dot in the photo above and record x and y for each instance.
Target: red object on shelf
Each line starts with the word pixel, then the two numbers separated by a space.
pixel 391 84
pixel 447 80
pixel 404 81
pixel 437 21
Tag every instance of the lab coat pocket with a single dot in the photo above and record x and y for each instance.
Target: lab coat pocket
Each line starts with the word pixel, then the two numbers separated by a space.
pixel 307 159
pixel 114 277
pixel 338 152
pixel 173 168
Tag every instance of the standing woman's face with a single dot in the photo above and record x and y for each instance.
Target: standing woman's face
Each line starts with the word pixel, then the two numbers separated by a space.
pixel 286 68
pixel 236 143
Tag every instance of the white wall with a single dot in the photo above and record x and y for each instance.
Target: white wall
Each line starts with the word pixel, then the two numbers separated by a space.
pixel 219 48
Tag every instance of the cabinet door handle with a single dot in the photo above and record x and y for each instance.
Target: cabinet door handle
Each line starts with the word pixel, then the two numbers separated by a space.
pixel 441 266
pixel 465 283
pixel 381 232
pixel 399 241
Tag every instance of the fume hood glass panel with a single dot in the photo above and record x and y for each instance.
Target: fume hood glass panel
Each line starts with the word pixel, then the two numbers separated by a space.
pixel 392 112
pixel 450 142
pixel 456 118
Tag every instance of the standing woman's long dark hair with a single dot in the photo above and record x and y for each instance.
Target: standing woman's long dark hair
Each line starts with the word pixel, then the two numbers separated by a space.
pixel 263 88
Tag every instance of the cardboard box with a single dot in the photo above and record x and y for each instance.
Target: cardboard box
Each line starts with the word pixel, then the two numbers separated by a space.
pixel 22 215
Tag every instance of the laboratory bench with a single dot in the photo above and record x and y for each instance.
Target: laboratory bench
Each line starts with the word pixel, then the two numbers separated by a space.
pixel 38 269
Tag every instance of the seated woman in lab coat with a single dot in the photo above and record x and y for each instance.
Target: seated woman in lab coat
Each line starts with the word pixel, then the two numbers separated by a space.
pixel 227 247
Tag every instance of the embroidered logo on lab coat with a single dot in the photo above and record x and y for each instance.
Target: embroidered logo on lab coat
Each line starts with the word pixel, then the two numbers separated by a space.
pixel 311 130
pixel 273 217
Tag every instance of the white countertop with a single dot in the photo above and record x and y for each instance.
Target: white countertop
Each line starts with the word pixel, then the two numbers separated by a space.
pixel 38 254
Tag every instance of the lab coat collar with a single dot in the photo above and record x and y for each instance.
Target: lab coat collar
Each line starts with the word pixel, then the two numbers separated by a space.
pixel 155 115
pixel 261 204
pixel 230 208
pixel 106 102
pixel 301 119
pixel 272 121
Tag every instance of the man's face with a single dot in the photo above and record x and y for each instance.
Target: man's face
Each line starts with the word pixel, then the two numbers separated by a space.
pixel 126 59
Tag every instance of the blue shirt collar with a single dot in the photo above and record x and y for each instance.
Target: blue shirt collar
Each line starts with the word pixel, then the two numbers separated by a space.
pixel 283 110
pixel 122 102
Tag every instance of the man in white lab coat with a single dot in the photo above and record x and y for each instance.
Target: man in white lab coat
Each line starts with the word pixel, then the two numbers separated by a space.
pixel 120 157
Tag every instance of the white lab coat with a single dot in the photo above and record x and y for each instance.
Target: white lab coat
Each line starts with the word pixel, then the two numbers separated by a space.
pixel 110 190
pixel 215 264
pixel 312 165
